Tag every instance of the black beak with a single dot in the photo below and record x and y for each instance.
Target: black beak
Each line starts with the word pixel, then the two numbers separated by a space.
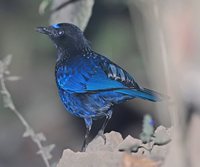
pixel 43 30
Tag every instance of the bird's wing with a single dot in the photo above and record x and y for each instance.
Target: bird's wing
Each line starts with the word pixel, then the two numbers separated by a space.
pixel 94 75
pixel 116 73
pixel 110 77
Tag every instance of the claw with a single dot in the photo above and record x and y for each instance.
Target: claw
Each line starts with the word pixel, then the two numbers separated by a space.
pixel 101 134
pixel 83 149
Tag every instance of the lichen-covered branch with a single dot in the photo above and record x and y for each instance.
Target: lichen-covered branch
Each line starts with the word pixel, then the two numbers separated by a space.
pixel 64 4
pixel 77 12
pixel 114 152
pixel 44 151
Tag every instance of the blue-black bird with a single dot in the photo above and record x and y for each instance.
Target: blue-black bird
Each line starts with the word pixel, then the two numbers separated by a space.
pixel 89 84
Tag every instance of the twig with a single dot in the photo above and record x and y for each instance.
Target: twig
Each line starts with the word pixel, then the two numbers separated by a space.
pixel 44 151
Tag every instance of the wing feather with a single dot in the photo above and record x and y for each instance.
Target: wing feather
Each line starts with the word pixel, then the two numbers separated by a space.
pixel 93 74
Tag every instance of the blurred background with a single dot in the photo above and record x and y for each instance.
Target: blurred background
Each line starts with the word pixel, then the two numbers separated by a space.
pixel 115 30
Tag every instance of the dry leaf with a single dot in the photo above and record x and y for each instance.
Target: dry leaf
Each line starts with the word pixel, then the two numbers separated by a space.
pixel 138 161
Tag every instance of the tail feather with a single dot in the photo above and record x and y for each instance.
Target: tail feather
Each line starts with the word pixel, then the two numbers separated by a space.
pixel 154 96
pixel 143 93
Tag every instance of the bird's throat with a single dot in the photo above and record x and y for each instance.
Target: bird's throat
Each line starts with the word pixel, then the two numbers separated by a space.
pixel 69 52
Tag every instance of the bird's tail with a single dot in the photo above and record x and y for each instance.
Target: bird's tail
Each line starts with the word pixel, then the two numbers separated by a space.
pixel 152 95
pixel 144 93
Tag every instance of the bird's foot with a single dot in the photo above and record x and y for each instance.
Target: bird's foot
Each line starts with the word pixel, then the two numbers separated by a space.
pixel 83 149
pixel 101 134
pixel 84 146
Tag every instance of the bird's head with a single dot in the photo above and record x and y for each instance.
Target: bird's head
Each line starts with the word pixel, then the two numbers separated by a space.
pixel 65 35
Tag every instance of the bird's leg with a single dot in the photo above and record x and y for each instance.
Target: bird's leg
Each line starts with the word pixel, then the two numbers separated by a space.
pixel 101 131
pixel 88 123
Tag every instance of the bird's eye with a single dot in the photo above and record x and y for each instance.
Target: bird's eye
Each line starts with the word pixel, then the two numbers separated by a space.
pixel 58 34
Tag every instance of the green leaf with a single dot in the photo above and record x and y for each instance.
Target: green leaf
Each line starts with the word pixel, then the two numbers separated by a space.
pixel 43 6
pixel 148 129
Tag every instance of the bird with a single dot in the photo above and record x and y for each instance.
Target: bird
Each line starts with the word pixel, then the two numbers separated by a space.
pixel 89 84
